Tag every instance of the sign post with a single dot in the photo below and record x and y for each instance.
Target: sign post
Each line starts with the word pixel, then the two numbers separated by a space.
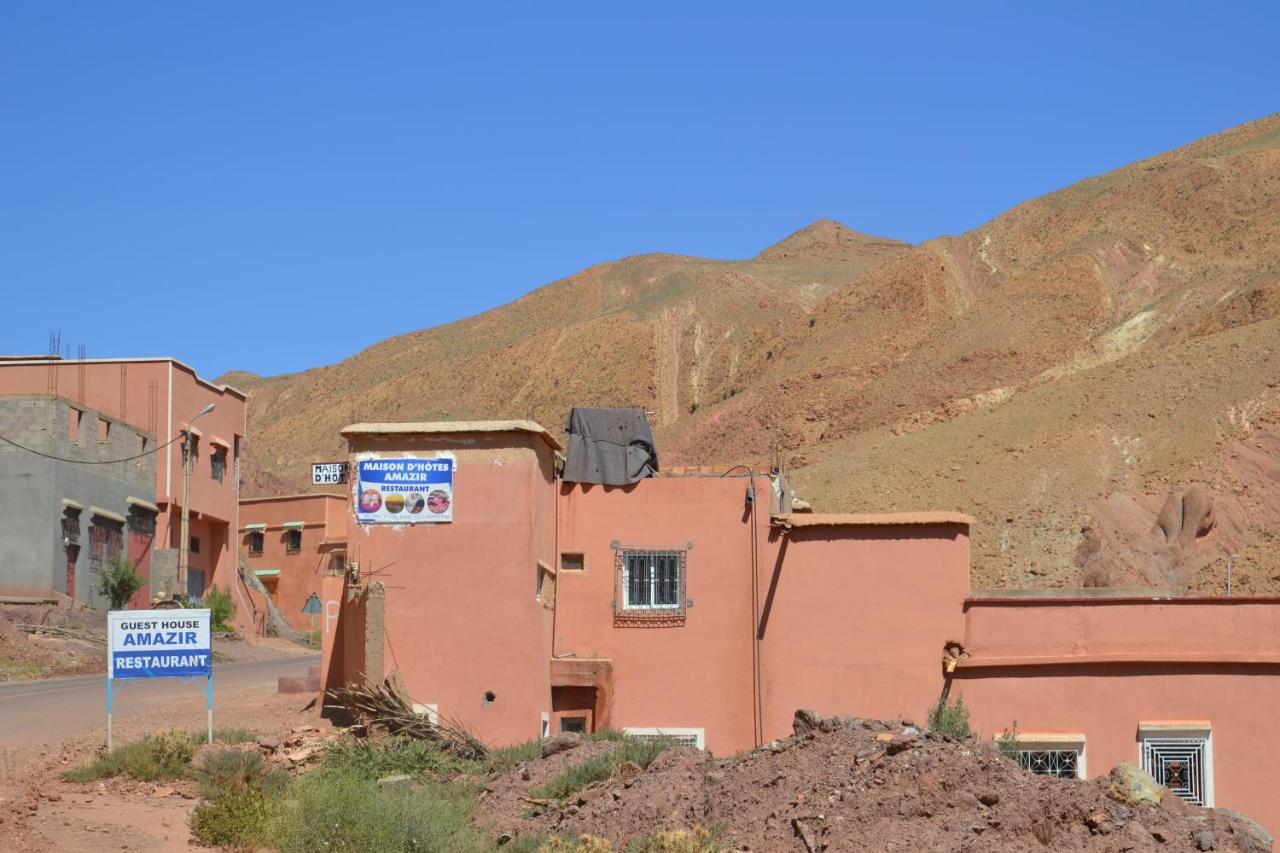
pixel 311 608
pixel 159 644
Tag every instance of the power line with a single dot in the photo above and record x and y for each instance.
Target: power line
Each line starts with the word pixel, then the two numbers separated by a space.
pixel 177 437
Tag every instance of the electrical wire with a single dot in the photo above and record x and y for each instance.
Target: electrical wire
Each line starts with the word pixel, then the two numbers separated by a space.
pixel 177 437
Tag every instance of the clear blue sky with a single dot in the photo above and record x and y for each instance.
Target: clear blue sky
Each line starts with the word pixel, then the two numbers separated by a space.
pixel 274 186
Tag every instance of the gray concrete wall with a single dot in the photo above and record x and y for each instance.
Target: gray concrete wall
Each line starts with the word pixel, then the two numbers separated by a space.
pixel 33 555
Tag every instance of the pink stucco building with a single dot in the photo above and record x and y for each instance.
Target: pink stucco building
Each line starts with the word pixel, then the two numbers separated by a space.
pixel 290 543
pixel 684 605
pixel 160 397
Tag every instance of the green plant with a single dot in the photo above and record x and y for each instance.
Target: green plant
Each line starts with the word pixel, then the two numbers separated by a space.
pixel 578 776
pixel 503 758
pixel 950 718
pixel 222 609
pixel 228 735
pixel 338 811
pixel 581 844
pixel 240 793
pixel 390 756
pixel 1008 743
pixel 163 756
pixel 119 580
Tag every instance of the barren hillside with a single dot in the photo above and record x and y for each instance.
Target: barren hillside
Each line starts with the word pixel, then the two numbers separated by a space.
pixel 1095 374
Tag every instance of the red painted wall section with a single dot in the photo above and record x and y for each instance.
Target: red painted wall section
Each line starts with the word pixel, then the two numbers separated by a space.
pixel 462 618
pixel 707 661
pixel 855 619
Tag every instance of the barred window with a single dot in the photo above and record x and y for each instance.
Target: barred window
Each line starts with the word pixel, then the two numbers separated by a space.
pixel 293 540
pixel 218 464
pixel 1062 763
pixel 652 580
pixel 256 538
pixel 1181 764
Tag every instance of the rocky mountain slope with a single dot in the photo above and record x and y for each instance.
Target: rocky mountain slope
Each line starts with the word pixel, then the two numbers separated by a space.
pixel 1094 375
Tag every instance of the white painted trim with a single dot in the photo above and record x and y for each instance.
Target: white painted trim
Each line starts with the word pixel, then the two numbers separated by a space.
pixel 674 731
pixel 546 724
pixel 168 449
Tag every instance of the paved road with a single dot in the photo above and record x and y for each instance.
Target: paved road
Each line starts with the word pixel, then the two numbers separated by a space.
pixel 48 711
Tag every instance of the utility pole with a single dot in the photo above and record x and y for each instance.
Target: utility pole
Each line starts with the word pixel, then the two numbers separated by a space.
pixel 184 534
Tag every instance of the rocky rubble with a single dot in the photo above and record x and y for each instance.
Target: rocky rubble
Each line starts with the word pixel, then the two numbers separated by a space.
pixel 852 784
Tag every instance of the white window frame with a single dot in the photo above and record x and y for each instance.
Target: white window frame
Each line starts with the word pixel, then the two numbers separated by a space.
pixel 681 561
pixel 1050 742
pixel 1201 731
pixel 668 731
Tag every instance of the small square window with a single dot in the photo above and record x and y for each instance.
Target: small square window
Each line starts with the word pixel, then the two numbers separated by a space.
pixel 573 724
pixel 293 540
pixel 195 545
pixel 652 580
pixel 573 561
pixel 1181 760
pixel 256 538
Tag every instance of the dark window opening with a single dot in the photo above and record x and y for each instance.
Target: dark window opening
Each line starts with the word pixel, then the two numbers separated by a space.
pixel 218 464
pixel 573 561
pixel 194 545
pixel 573 724
pixel 293 540
pixel 256 540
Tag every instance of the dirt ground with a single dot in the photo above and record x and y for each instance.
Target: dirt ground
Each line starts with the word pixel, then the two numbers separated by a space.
pixel 41 812
pixel 852 784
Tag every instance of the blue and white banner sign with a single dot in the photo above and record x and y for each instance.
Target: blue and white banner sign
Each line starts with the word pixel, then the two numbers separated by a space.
pixel 159 643
pixel 403 490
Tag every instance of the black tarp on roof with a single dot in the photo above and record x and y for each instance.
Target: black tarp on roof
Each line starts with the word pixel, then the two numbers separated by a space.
pixel 610 446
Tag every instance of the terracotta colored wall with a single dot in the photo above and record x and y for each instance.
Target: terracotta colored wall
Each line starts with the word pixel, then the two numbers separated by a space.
pixel 461 612
pixel 694 675
pixel 858 619
pixel 301 572
pixel 1102 667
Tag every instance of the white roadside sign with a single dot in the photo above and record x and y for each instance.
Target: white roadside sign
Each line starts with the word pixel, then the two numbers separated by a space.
pixel 328 473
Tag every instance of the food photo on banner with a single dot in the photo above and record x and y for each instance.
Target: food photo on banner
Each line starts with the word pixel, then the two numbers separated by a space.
pixel 404 490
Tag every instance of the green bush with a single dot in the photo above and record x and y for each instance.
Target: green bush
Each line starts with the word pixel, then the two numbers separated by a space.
pixel 240 792
pixel 390 756
pixel 338 811
pixel 573 779
pixel 162 756
pixel 950 718
pixel 1008 743
pixel 222 609
pixel 119 580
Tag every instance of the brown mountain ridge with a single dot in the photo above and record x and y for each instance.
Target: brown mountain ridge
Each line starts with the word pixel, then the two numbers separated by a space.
pixel 1075 373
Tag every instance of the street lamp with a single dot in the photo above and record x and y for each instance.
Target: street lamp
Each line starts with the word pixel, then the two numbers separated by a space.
pixel 184 541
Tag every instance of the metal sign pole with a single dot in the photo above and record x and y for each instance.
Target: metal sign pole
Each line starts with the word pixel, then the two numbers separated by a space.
pixel 109 680
pixel 208 697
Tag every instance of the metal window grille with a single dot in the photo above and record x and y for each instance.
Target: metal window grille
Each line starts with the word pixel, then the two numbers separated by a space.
pixel 651 581
pixel 218 464
pixel 142 522
pixel 293 540
pixel 1063 763
pixel 1178 764
pixel 256 538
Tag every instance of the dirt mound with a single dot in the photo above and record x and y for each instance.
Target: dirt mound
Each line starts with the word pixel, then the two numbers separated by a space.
pixel 42 640
pixel 851 784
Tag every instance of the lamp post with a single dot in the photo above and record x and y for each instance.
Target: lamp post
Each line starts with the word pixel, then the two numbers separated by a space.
pixel 184 540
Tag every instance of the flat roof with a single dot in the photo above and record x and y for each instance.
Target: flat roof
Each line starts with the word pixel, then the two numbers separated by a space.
pixel 452 428
pixel 45 359
pixel 871 519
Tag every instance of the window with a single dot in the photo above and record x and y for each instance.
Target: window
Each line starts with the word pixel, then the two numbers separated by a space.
pixel 194 545
pixel 1181 759
pixel 106 541
pixel 293 540
pixel 696 738
pixel 653 580
pixel 573 561
pixel 256 539
pixel 71 525
pixel 1052 755
pixel 573 724
pixel 142 521
pixel 218 464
